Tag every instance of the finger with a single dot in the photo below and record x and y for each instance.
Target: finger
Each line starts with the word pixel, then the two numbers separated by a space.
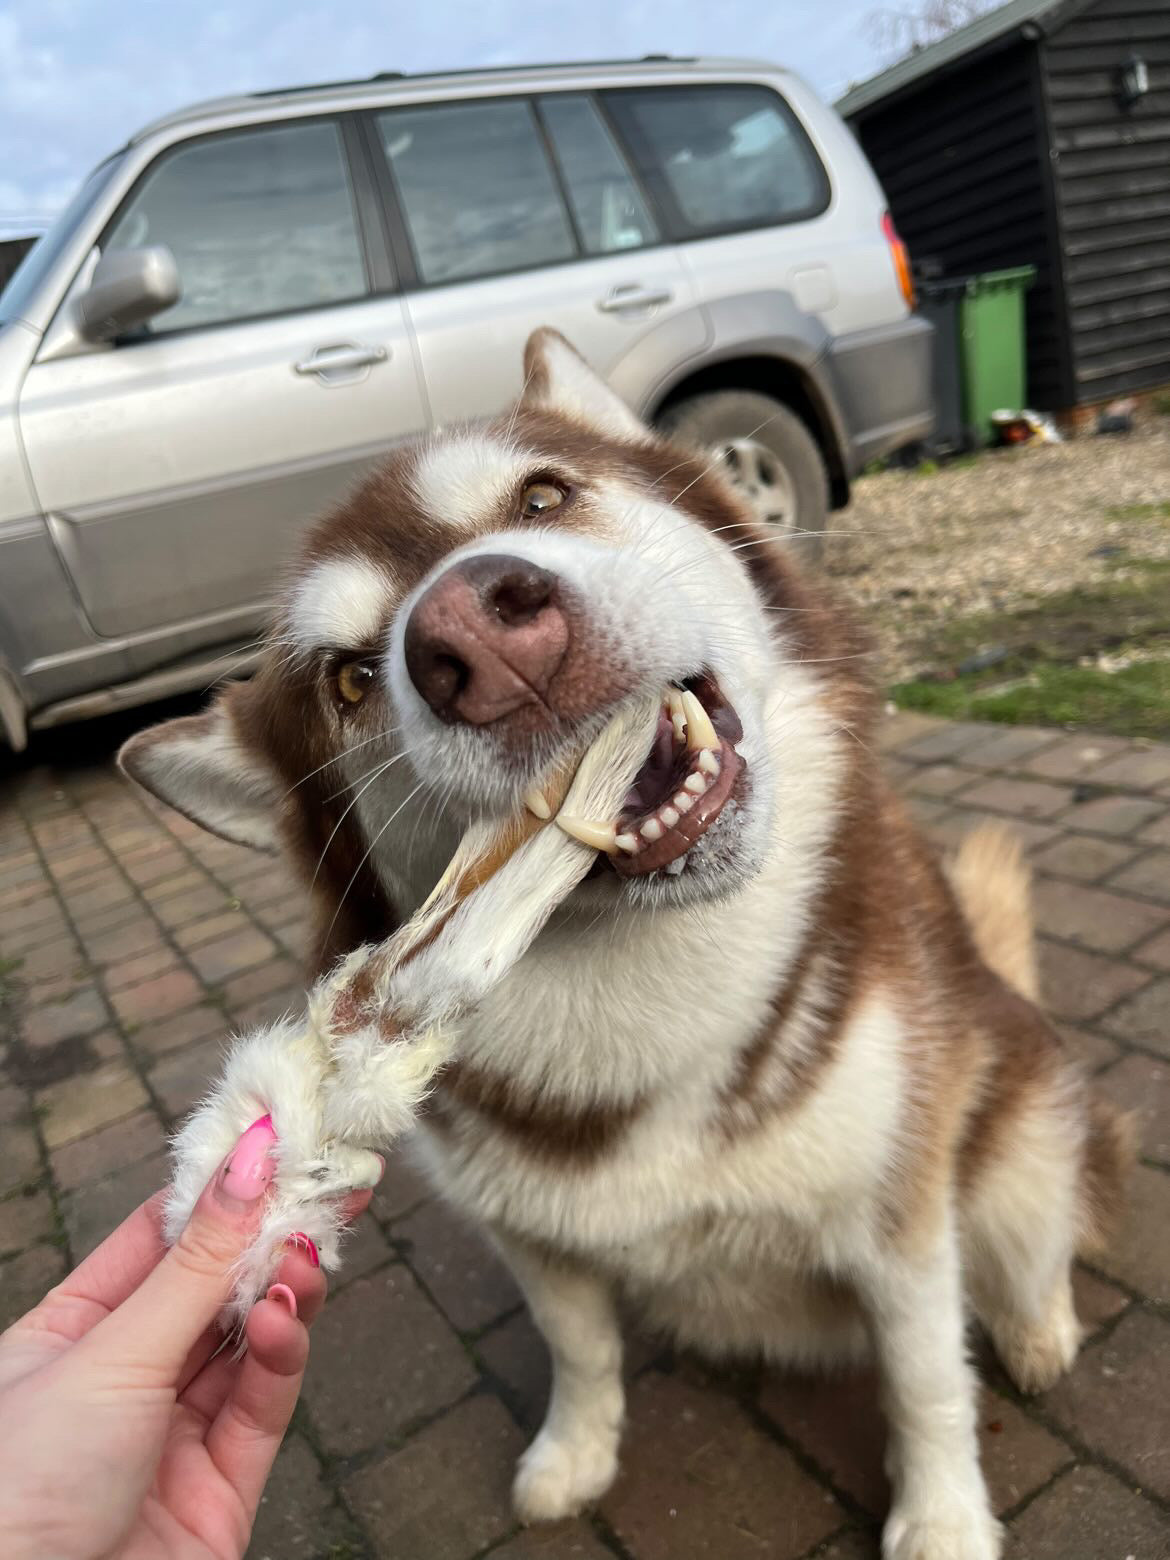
pixel 156 1327
pixel 246 1434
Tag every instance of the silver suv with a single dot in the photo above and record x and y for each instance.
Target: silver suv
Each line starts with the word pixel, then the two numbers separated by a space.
pixel 246 305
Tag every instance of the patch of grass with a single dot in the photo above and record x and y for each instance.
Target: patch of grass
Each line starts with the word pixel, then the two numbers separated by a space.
pixel 1159 511
pixel 1134 702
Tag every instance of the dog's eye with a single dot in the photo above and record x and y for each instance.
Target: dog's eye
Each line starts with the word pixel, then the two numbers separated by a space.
pixel 539 497
pixel 353 680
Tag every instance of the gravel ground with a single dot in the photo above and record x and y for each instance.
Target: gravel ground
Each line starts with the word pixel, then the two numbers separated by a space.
pixel 985 534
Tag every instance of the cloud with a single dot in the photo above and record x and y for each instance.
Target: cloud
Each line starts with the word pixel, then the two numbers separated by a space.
pixel 77 77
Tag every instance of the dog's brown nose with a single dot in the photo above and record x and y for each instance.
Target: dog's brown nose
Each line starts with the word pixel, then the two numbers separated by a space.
pixel 487 637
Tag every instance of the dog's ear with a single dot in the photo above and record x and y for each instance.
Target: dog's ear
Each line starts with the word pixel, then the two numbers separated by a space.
pixel 558 379
pixel 199 766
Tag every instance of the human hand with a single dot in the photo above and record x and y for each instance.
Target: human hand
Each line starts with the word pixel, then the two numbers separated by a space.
pixel 127 1428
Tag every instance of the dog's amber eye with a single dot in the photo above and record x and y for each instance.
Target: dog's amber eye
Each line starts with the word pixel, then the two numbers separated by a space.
pixel 538 498
pixel 354 680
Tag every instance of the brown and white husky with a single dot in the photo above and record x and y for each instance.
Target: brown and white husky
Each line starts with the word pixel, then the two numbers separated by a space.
pixel 768 1073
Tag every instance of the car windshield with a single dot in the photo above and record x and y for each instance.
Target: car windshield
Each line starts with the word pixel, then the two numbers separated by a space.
pixel 25 281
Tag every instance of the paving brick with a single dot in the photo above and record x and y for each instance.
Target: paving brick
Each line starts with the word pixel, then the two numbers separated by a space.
pixel 27 1279
pixel 954 827
pixel 1145 1018
pixel 943 741
pixel 1096 1301
pixel 926 811
pixel 382 1358
pixel 277 975
pixel 365 1248
pixel 153 866
pixel 1139 1254
pixel 122 943
pixel 211 929
pixel 157 998
pixel 837 1420
pixel 1092 1050
pixel 516 1355
pixel 1088 1515
pixel 90 1158
pixel 1116 1400
pixel 1148 875
pixel 51 961
pixel 1139 1084
pixel 1010 748
pixel 1119 815
pixel 92 1211
pixel 457 1266
pixel 191 906
pixel 940 779
pixel 25 939
pixel 299 1516
pixel 1137 770
pixel 1082 856
pixel 187 880
pixel 80 1014
pixel 1156 952
pixel 699 1479
pixel 182 1078
pixel 269 1010
pixel 1078 985
pixel 1158 832
pixel 1022 798
pixel 217 961
pixel 401 1189
pixel 80 1105
pixel 1094 918
pixel 105 894
pixel 1072 757
pixel 445 1494
pixel 561 1541
pixel 25 1218
pixel 171 1034
pixel 20 1160
pixel 898 727
pixel 159 960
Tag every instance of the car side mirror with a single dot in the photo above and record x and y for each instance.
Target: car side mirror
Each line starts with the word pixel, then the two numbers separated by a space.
pixel 128 286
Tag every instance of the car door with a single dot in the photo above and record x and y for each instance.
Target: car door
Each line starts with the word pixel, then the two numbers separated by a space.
pixel 176 468
pixel 518 212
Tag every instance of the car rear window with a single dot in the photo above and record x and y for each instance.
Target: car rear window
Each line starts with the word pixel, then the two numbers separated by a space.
pixel 722 157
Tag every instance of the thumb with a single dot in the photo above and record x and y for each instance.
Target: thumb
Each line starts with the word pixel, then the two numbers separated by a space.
pixel 156 1327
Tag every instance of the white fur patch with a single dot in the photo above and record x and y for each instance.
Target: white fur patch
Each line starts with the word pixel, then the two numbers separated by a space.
pixel 340 604
pixel 577 392
pixel 465 476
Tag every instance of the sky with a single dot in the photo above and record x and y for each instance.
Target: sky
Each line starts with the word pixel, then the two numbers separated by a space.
pixel 78 76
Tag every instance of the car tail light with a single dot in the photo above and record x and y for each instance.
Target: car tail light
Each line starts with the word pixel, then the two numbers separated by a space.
pixel 901 258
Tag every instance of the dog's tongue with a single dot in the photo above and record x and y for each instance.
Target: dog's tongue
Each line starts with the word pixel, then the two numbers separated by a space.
pixel 654 777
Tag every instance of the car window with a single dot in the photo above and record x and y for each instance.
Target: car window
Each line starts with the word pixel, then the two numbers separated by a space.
pixel 25 282
pixel 259 222
pixel 477 191
pixel 729 157
pixel 607 204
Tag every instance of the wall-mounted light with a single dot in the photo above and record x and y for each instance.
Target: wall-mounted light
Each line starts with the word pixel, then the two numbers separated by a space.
pixel 1133 81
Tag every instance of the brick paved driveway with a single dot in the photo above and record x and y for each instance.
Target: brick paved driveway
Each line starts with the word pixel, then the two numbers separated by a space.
pixel 130 943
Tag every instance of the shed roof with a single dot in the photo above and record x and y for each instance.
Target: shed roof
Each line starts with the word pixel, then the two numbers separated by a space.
pixel 1029 18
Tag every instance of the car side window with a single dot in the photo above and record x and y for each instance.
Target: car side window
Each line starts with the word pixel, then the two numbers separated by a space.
pixel 607 204
pixel 478 195
pixel 728 156
pixel 259 222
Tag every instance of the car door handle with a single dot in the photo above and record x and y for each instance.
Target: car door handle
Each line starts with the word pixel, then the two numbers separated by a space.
pixel 633 297
pixel 340 359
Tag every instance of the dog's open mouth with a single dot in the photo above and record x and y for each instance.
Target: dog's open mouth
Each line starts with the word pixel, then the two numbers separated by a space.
pixel 689 774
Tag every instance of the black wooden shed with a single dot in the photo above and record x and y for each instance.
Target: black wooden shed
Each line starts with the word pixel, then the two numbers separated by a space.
pixel 1039 135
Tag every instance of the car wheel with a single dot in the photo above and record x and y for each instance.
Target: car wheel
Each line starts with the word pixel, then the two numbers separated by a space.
pixel 764 449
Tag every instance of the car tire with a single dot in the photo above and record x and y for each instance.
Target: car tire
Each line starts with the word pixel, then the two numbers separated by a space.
pixel 767 452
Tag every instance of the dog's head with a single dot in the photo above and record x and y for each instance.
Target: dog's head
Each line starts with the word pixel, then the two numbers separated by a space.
pixel 476 610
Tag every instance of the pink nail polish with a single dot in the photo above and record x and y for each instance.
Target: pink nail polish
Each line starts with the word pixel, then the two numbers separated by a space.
pixel 303 1243
pixel 249 1171
pixel 281 1292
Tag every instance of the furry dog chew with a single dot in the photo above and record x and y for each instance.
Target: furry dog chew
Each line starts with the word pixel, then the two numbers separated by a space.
pixel 760 1073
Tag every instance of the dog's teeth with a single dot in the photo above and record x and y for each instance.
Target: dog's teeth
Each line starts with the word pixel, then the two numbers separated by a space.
pixel 669 816
pixel 535 802
pixel 683 802
pixel 700 731
pixel 652 830
pixel 678 714
pixel 695 784
pixel 708 763
pixel 628 843
pixel 598 836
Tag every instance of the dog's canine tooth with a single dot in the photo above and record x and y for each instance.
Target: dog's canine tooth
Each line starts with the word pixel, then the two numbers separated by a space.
pixel 696 784
pixel 652 830
pixel 678 714
pixel 536 803
pixel 669 816
pixel 700 731
pixel 628 842
pixel 683 802
pixel 598 836
pixel 708 763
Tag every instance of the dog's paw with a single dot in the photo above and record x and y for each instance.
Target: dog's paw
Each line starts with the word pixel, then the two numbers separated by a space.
pixel 946 1529
pixel 1036 1355
pixel 557 1476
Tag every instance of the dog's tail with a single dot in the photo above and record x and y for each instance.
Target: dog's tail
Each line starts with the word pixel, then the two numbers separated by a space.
pixel 994 887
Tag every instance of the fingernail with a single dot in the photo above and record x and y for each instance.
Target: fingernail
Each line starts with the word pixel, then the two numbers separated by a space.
pixel 249 1171
pixel 281 1292
pixel 302 1241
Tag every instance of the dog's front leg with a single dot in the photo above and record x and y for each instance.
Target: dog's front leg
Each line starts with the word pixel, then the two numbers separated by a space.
pixel 574 1457
pixel 940 1509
